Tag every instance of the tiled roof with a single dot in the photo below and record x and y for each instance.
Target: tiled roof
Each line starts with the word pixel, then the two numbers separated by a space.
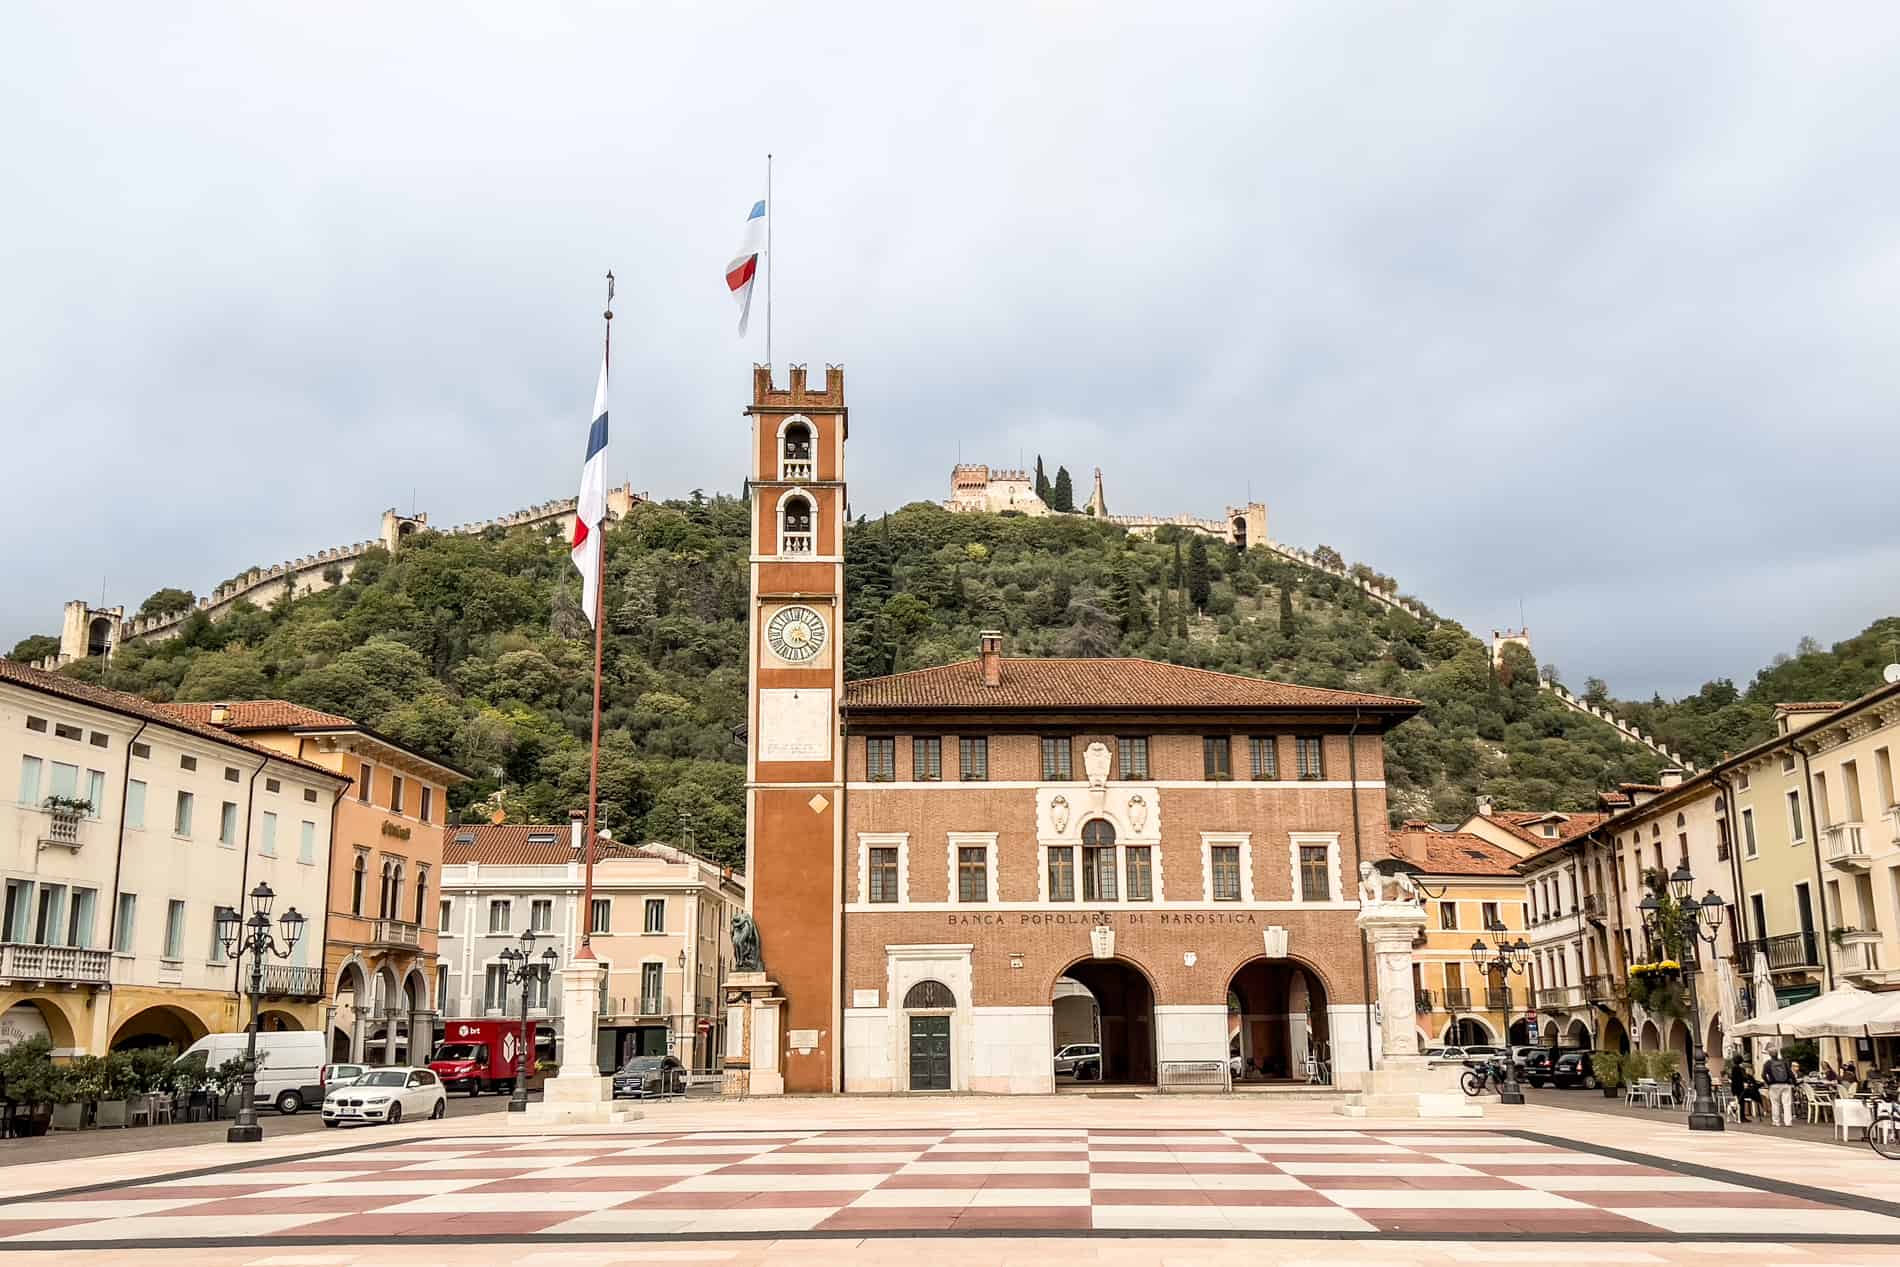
pixel 128 705
pixel 1521 823
pixel 1453 853
pixel 1107 684
pixel 261 714
pixel 1812 706
pixel 525 844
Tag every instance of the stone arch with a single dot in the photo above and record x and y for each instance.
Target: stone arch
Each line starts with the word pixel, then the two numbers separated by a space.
pixel 276 1020
pixel 160 1024
pixel 1649 1038
pixel 1613 1037
pixel 16 1021
pixel 1284 1016
pixel 1550 1034
pixel 1468 1031
pixel 1577 1034
pixel 1679 1041
pixel 99 636
pixel 415 989
pixel 1124 993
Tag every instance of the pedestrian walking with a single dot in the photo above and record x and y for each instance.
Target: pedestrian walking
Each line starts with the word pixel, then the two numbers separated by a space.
pixel 1778 1079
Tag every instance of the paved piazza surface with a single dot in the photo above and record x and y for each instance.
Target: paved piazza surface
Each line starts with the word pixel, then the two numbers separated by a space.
pixel 990 1183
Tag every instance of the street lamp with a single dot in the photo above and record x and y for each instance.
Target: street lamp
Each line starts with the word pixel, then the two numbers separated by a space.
pixel 1705 924
pixel 520 967
pixel 253 936
pixel 1509 957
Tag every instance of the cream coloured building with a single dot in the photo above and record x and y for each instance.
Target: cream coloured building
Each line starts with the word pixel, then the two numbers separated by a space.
pixel 660 921
pixel 123 829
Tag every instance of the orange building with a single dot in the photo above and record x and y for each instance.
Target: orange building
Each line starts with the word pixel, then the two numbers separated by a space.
pixel 385 868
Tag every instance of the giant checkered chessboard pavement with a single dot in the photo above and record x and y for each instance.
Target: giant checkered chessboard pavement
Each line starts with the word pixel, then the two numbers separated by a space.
pixel 709 1184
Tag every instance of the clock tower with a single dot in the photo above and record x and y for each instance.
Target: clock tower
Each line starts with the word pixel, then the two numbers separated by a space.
pixel 794 758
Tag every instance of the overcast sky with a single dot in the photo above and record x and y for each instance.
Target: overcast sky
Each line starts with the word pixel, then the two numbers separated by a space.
pixel 1592 310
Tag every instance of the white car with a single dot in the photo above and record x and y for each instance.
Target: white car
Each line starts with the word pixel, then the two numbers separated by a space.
pixel 1068 1057
pixel 387 1095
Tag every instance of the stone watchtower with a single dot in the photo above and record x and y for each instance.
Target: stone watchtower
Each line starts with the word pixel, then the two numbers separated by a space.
pixel 89 631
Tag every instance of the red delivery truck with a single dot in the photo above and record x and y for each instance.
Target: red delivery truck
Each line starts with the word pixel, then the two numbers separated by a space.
pixel 480 1055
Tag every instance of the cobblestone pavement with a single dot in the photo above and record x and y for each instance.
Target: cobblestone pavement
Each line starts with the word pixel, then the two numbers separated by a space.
pixel 793 1180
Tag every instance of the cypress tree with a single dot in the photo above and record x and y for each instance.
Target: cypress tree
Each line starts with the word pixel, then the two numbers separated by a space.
pixel 1062 496
pixel 1198 586
pixel 1042 481
pixel 1286 609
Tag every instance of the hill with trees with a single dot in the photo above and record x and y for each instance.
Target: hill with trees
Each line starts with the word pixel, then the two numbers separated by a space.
pixel 472 649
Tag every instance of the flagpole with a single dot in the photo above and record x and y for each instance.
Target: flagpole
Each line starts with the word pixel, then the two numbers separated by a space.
pixel 771 265
pixel 600 634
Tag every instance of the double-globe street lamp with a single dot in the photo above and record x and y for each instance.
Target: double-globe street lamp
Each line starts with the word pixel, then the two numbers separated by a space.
pixel 1509 957
pixel 1705 924
pixel 521 968
pixel 253 936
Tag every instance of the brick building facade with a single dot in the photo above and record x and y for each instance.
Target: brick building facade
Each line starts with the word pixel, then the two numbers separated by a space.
pixel 936 856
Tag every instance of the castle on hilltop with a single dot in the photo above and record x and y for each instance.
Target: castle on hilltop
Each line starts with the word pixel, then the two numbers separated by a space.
pixel 1000 490
pixel 86 631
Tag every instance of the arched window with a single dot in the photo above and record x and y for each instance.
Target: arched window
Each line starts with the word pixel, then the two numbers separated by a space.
pixel 1681 821
pixel 358 878
pixel 929 996
pixel 383 891
pixel 99 637
pixel 395 891
pixel 422 893
pixel 795 452
pixel 796 534
pixel 1098 861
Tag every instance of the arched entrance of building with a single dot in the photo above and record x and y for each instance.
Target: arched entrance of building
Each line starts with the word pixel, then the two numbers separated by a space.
pixel 36 1018
pixel 99 637
pixel 1649 1038
pixel 156 1026
pixel 272 1021
pixel 1613 1036
pixel 1550 1035
pixel 1239 529
pixel 1679 1042
pixel 1578 1035
pixel 1523 1033
pixel 928 1008
pixel 352 1010
pixel 1281 1005
pixel 1713 1046
pixel 1124 1016
pixel 1467 1032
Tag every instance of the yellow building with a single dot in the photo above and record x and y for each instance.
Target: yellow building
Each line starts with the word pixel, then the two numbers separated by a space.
pixel 1473 892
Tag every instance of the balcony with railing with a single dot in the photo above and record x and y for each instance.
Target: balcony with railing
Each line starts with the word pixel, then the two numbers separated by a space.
pixel 797 543
pixel 395 932
pixel 1422 1001
pixel 1457 999
pixel 1842 844
pixel 1557 997
pixel 67 965
pixel 1497 999
pixel 1860 951
pixel 64 828
pixel 1594 907
pixel 1786 952
pixel 1598 989
pixel 288 981
pixel 796 469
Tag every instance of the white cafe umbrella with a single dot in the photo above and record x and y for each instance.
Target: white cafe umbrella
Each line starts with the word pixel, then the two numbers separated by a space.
pixel 1766 1003
pixel 1843 1012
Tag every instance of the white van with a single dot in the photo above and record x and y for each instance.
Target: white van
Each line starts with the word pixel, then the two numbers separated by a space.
pixel 289 1064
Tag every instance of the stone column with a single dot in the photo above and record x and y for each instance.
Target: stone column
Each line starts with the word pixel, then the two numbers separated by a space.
pixel 1402 1083
pixel 578 1093
pixel 359 1035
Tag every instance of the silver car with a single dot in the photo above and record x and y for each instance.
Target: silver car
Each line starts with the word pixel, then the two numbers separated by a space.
pixel 1068 1057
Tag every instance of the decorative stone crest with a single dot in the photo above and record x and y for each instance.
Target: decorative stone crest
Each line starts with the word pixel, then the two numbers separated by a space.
pixel 1095 764
pixel 1138 812
pixel 1059 813
pixel 1275 941
pixel 1102 941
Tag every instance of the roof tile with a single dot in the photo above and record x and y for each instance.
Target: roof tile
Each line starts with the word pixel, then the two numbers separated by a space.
pixel 261 714
pixel 1453 853
pixel 1105 683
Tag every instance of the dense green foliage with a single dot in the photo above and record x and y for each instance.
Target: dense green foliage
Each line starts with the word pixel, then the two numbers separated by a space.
pixel 1719 718
pixel 472 649
pixel 34 647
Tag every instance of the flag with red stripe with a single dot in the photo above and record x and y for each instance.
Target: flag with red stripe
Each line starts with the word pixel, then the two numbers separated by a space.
pixel 591 508
pixel 744 269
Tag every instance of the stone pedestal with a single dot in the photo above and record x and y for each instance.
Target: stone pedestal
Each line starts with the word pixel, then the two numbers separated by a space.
pixel 754 1036
pixel 578 1095
pixel 1402 1082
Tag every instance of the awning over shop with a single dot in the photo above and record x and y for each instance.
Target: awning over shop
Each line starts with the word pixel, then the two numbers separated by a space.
pixel 1847 1012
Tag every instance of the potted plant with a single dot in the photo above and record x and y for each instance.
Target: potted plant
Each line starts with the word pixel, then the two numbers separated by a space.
pixel 1608 1067
pixel 151 1076
pixel 77 1086
pixel 26 1084
pixel 227 1083
pixel 115 1086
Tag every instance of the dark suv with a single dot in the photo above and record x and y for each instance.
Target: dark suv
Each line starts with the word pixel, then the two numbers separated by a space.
pixel 1575 1069
pixel 1536 1066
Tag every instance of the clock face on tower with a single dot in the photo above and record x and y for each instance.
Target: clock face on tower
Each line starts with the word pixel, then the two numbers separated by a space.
pixel 795 634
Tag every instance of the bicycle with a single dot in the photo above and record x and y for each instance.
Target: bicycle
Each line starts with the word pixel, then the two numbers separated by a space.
pixel 1478 1081
pixel 1883 1133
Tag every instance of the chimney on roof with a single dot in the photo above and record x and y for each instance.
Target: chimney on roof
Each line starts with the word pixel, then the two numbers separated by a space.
pixel 1670 777
pixel 220 714
pixel 990 656
pixel 1484 806
pixel 576 818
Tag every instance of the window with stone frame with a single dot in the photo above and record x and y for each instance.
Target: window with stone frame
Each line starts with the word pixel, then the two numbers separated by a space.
pixel 1448 915
pixel 1138 864
pixel 1098 861
pixel 883 873
pixel 1061 873
pixel 973 873
pixel 1224 861
pixel 1316 874
pixel 880 760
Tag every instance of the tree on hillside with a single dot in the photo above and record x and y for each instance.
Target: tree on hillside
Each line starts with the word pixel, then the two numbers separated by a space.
pixel 1286 609
pixel 1042 481
pixel 1062 495
pixel 166 601
pixel 1199 588
pixel 1328 556
pixel 35 647
pixel 232 674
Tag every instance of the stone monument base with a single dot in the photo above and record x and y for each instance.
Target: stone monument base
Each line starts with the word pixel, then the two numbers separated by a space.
pixel 754 1036
pixel 579 1102
pixel 1412 1088
pixel 578 1095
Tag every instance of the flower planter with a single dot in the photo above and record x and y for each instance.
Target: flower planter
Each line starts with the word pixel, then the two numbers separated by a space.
pixel 110 1113
pixel 1610 1093
pixel 69 1117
